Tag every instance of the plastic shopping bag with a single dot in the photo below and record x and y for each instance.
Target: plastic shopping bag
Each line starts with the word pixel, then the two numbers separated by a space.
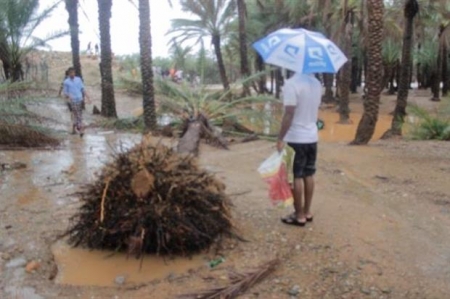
pixel 275 173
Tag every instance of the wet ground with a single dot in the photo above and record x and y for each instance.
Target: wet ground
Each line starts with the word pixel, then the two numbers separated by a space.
pixel 380 230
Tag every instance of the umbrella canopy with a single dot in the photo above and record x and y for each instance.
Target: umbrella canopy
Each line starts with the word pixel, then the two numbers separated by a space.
pixel 300 50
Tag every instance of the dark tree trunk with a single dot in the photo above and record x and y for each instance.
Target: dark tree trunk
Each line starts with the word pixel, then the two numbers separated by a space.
pixel 445 70
pixel 262 88
pixel 145 44
pixel 72 9
pixel 366 126
pixel 272 82
pixel 328 97
pixel 245 69
pixel 391 78
pixel 279 83
pixel 410 11
pixel 6 70
pixel 220 64
pixel 355 69
pixel 437 73
pixel 108 108
pixel 346 71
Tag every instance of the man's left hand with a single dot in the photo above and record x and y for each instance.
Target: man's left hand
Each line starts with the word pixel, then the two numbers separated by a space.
pixel 280 146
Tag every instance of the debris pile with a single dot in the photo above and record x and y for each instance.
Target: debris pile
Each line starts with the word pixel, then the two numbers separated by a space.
pixel 151 199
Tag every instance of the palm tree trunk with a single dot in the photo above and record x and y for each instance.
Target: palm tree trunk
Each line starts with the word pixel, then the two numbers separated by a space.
pixel 262 88
pixel 346 72
pixel 108 108
pixel 445 71
pixel 72 9
pixel 220 64
pixel 437 78
pixel 245 70
pixel 145 43
pixel 278 82
pixel 328 97
pixel 410 11
pixel 366 126
pixel 355 69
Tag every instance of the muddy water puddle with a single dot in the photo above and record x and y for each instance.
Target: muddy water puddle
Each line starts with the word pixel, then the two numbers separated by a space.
pixel 335 132
pixel 82 267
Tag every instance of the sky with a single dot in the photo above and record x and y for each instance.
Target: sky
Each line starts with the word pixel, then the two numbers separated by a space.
pixel 124 26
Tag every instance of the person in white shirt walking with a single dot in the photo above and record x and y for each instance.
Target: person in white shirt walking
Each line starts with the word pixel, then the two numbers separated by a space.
pixel 301 98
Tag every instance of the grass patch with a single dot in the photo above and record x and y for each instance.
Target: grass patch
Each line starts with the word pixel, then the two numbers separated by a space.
pixel 123 124
pixel 431 126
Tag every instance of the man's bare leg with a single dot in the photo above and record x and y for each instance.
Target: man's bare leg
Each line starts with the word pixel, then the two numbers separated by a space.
pixel 298 195
pixel 309 192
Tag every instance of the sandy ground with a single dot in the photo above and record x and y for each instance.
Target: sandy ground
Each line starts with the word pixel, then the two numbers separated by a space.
pixel 380 230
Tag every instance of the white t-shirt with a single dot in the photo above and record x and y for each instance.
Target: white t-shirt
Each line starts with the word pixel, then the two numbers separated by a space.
pixel 304 92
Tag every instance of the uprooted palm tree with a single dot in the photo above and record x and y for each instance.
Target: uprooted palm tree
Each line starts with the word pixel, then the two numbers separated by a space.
pixel 18 22
pixel 200 112
pixel 213 19
pixel 20 127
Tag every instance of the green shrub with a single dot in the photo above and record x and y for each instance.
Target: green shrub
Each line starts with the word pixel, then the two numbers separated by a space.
pixel 431 126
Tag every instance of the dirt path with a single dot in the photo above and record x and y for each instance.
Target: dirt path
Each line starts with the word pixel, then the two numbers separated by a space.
pixel 380 228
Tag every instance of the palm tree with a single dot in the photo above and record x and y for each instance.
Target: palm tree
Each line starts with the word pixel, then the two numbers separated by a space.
pixel 245 70
pixel 410 11
pixel 179 54
pixel 18 21
pixel 439 69
pixel 72 10
pixel 108 102
pixel 213 19
pixel 346 72
pixel 145 43
pixel 374 80
pixel 391 59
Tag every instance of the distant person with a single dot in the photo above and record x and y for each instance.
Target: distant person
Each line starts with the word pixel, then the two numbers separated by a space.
pixel 96 49
pixel 89 49
pixel 75 94
pixel 301 98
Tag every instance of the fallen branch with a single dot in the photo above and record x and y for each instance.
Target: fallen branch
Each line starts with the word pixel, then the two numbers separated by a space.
pixel 240 283
pixel 102 205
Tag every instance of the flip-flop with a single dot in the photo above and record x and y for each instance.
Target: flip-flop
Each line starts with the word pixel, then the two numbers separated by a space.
pixel 292 221
pixel 309 219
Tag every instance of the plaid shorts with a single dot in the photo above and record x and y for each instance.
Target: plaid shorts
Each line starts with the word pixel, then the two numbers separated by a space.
pixel 77 111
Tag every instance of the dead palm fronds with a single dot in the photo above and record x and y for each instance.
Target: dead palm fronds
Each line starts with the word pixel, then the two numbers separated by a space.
pixel 240 283
pixel 16 136
pixel 150 199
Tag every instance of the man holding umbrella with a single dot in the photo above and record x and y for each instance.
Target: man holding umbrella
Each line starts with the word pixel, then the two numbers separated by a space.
pixel 304 52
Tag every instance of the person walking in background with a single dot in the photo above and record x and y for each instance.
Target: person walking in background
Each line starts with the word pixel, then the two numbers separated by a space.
pixel 75 94
pixel 96 49
pixel 301 98
pixel 89 49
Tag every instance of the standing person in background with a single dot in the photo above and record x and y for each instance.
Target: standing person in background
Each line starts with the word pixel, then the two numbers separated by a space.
pixel 96 49
pixel 301 98
pixel 89 49
pixel 75 94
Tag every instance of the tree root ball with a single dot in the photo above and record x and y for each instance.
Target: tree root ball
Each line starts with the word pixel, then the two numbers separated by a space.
pixel 151 199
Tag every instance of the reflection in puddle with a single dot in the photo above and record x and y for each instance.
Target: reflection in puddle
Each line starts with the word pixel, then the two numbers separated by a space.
pixel 79 266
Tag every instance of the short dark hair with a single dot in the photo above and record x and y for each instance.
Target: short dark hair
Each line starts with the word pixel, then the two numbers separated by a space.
pixel 70 69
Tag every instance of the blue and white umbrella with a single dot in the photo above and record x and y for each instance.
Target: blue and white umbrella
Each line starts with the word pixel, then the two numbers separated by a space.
pixel 300 50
